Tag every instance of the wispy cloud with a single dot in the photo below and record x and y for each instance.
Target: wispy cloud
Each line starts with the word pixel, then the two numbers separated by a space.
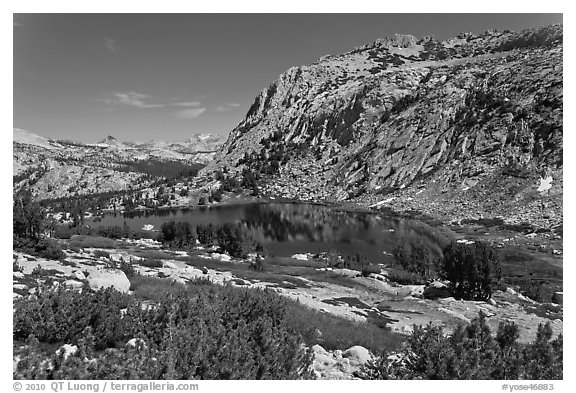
pixel 227 107
pixel 188 103
pixel 131 98
pixel 110 44
pixel 189 113
pixel 190 109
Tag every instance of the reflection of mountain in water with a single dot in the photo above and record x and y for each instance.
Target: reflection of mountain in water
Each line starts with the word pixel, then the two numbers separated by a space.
pixel 288 228
pixel 313 223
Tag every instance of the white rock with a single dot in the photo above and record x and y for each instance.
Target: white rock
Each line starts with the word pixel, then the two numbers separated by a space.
pixel 134 342
pixel 318 349
pixel 73 284
pixel 221 257
pixel 17 275
pixel 21 287
pixel 67 350
pixel 326 360
pixel 357 354
pixel 78 275
pixel 300 257
pixel 545 184
pixel 104 278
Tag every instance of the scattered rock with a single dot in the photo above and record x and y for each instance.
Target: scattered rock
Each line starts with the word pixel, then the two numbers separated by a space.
pixel 104 278
pixel 357 354
pixel 78 275
pixel 136 342
pixel 20 287
pixel 436 290
pixel 73 284
pixel 67 350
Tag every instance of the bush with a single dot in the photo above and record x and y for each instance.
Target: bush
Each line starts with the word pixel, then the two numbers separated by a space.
pixel 147 262
pixel 472 269
pixel 16 267
pixel 178 234
pixel 202 331
pixel 415 258
pixel 127 268
pixel 258 265
pixel 100 253
pixel 49 249
pixel 471 353
pixel 370 269
pixel 403 277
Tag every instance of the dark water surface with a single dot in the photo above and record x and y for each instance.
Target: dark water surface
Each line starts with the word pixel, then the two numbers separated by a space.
pixel 285 229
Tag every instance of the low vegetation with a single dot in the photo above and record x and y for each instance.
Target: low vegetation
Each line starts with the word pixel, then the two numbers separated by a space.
pixel 472 352
pixel 472 269
pixel 201 331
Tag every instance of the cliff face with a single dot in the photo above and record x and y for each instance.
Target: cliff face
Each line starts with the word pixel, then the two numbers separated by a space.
pixel 401 113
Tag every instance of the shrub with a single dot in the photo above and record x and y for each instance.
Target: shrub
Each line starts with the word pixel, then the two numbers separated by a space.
pixel 49 249
pixel 471 352
pixel 148 262
pixel 370 269
pixel 472 269
pixel 100 253
pixel 403 277
pixel 127 268
pixel 60 316
pixel 202 331
pixel 259 264
pixel 415 258
pixel 178 234
pixel 16 267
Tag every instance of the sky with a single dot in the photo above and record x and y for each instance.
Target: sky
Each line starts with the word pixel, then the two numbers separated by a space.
pixel 140 77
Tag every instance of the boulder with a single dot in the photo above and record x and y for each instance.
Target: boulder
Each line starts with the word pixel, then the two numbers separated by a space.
pixel 317 349
pixel 20 287
pixel 357 355
pixel 17 275
pixel 105 278
pixel 300 257
pixel 73 284
pixel 78 275
pixel 67 350
pixel 170 265
pixel 325 360
pixel 436 290
pixel 136 342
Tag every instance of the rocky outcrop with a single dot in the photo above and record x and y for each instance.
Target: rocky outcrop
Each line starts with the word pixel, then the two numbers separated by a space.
pixel 451 117
pixel 339 364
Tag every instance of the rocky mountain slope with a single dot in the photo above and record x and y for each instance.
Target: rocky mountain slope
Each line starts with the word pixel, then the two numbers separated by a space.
pixel 63 168
pixel 470 127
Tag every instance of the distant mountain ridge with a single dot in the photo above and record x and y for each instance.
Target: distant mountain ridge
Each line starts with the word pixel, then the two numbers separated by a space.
pixel 56 168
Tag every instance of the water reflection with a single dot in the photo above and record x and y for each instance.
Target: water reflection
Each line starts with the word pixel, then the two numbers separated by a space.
pixel 285 228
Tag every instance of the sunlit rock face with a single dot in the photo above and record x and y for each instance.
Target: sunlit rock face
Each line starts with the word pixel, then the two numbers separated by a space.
pixel 401 112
